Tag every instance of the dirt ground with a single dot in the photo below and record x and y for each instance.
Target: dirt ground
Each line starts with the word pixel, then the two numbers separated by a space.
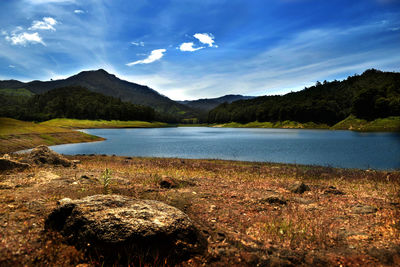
pixel 246 211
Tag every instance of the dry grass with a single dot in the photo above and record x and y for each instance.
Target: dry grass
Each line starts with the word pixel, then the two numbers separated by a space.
pixel 85 124
pixel 227 200
pixel 18 135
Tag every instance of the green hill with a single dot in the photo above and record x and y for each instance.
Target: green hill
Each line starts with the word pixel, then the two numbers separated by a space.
pixel 374 94
pixel 73 102
pixel 16 92
pixel 100 81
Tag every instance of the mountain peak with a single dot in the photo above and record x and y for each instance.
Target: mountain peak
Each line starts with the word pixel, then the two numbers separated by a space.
pixel 99 71
pixel 99 74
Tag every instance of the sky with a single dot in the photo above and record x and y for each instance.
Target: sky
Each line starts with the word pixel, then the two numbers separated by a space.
pixel 190 49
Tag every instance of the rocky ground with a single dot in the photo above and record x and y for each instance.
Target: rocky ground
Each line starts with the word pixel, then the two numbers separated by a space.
pixel 246 214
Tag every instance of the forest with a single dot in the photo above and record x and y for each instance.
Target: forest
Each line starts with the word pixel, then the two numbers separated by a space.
pixel 72 102
pixel 374 94
pixel 371 95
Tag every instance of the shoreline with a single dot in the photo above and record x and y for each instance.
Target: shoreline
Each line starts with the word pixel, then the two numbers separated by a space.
pixel 390 124
pixel 34 135
pixel 18 135
pixel 351 123
pixel 18 142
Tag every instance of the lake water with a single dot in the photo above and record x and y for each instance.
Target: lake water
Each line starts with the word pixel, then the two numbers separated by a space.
pixel 344 149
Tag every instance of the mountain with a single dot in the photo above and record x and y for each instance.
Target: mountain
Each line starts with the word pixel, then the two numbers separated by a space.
pixel 207 104
pixel 102 82
pixel 374 94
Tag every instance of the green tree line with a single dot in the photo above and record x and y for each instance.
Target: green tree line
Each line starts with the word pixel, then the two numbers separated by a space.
pixel 374 94
pixel 72 102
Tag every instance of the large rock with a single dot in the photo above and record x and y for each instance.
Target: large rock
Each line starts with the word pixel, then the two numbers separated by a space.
pixel 44 155
pixel 122 229
pixel 9 164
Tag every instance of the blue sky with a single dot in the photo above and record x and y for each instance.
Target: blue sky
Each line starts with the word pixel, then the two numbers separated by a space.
pixel 189 49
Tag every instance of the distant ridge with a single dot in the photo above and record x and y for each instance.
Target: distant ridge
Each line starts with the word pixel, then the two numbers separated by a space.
pixel 207 104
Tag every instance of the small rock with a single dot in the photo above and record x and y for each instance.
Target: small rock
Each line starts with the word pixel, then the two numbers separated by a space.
pixel 8 165
pixel 5 186
pixel 333 190
pixel 64 201
pixel 76 161
pixel 363 209
pixel 220 236
pixel 312 207
pixel 123 229
pixel 303 201
pixel 44 155
pixel 299 187
pixel 168 182
pixel 274 199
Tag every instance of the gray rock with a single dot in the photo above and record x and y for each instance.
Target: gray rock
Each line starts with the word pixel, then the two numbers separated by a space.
pixel 303 201
pixel 299 187
pixel 44 155
pixel 9 164
pixel 333 191
pixel 127 230
pixel 363 209
pixel 273 198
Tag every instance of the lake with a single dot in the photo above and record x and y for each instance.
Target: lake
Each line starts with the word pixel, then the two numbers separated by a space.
pixel 344 149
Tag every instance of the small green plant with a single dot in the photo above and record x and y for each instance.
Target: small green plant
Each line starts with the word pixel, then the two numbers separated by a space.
pixel 106 181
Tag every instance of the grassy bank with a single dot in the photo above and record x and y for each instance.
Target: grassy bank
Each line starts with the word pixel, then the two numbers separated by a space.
pixel 18 135
pixel 246 210
pixel 86 124
pixel 284 124
pixel 390 124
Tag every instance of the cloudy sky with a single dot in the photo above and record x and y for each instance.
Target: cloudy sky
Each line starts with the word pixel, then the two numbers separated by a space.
pixel 189 49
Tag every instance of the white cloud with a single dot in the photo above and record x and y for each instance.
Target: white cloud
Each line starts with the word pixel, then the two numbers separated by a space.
pixel 188 47
pixel 79 11
pixel 17 29
pixel 11 66
pixel 138 43
pixel 154 56
pixel 46 24
pixel 205 38
pixel 24 38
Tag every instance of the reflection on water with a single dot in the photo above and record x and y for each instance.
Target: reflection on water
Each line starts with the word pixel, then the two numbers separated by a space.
pixel 318 147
